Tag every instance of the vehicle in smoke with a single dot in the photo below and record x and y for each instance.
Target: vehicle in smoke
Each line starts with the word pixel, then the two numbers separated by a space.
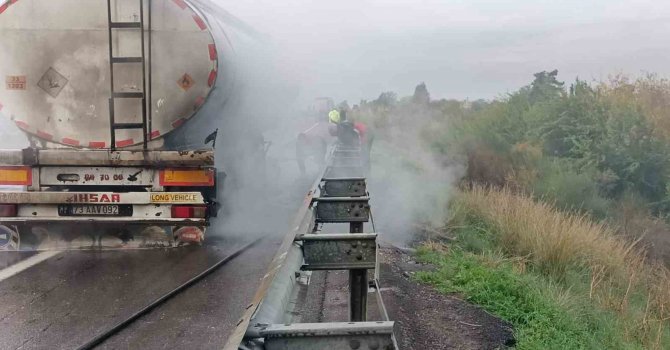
pixel 103 90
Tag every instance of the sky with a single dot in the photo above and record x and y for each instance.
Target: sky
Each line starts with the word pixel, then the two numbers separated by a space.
pixel 355 49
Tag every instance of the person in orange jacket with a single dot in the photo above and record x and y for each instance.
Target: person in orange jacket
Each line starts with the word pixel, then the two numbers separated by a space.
pixel 313 144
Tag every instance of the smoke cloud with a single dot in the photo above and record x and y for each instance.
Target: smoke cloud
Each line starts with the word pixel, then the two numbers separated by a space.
pixel 409 184
pixel 10 136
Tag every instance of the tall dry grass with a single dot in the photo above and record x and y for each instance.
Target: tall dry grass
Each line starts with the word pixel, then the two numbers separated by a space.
pixel 551 239
pixel 651 93
pixel 559 243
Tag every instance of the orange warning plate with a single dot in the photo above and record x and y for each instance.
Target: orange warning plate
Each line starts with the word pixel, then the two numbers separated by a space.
pixel 178 177
pixel 22 176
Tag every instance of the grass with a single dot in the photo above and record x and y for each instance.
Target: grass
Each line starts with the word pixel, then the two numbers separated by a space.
pixel 552 240
pixel 537 308
pixel 563 280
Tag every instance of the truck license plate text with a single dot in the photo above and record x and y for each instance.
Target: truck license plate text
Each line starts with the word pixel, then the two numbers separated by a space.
pixel 88 210
pixel 94 198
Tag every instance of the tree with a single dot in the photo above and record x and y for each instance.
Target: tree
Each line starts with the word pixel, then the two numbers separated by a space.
pixel 421 95
pixel 387 99
pixel 545 87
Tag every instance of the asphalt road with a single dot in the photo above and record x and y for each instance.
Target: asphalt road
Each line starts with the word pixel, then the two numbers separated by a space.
pixel 67 298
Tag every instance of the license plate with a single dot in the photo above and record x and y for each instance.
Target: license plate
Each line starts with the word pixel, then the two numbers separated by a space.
pixel 94 210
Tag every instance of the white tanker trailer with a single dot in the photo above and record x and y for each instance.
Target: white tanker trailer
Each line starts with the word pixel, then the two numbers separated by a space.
pixel 98 86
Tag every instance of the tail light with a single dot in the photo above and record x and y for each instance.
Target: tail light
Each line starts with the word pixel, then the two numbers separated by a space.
pixel 16 175
pixel 8 210
pixel 189 211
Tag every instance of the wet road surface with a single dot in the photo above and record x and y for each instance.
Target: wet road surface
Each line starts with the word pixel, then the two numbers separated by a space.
pixel 65 301
pixel 68 298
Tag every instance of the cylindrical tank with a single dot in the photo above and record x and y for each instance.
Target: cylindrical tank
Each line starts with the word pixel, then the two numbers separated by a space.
pixel 55 63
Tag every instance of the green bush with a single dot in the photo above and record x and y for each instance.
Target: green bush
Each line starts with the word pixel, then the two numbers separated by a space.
pixel 569 189
pixel 605 143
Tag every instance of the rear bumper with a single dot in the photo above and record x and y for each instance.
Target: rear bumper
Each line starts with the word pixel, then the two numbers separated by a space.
pixel 104 221
pixel 148 208
pixel 168 198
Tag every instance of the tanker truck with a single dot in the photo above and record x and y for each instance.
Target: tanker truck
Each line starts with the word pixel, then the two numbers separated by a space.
pixel 102 88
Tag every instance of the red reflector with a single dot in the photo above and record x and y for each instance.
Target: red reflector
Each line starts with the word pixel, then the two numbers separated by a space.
pixel 8 210
pixel 189 212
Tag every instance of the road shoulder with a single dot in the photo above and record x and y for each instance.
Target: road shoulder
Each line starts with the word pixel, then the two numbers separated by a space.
pixel 427 319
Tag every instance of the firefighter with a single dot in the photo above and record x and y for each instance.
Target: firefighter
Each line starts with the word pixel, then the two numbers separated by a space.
pixel 334 116
pixel 313 143
pixel 352 133
pixel 310 147
pixel 343 129
pixel 366 137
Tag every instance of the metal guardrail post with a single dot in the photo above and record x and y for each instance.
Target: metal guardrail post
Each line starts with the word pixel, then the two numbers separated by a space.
pixel 266 324
pixel 358 286
pixel 330 336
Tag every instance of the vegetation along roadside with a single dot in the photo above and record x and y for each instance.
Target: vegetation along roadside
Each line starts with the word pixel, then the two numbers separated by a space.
pixel 560 222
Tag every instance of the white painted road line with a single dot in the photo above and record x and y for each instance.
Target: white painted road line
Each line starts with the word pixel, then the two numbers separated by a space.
pixel 25 264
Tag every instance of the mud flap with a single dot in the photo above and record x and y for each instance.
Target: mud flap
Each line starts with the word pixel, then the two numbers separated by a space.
pixel 189 234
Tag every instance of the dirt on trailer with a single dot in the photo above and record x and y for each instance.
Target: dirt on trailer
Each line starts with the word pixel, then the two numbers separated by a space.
pixel 428 319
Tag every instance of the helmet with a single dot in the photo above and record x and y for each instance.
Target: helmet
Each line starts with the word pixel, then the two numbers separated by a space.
pixel 334 116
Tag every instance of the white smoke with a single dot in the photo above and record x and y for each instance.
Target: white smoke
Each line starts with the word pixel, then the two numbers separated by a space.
pixel 410 185
pixel 10 135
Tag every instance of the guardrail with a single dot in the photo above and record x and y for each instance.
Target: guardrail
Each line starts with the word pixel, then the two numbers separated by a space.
pixel 339 195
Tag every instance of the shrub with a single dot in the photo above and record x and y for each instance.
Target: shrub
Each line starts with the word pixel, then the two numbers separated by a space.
pixel 570 248
pixel 569 189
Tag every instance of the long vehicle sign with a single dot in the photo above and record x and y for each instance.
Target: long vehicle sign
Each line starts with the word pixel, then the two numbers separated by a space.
pixel 101 198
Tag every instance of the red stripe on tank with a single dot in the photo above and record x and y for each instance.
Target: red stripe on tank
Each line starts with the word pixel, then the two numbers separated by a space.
pixel 180 3
pixel 201 24
pixel 44 135
pixel 70 142
pixel 154 134
pixel 1 106
pixel 199 101
pixel 96 144
pixel 212 78
pixel 125 143
pixel 5 6
pixel 22 125
pixel 179 122
pixel 212 52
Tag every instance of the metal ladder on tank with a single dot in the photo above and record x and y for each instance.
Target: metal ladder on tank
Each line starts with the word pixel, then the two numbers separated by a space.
pixel 145 125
